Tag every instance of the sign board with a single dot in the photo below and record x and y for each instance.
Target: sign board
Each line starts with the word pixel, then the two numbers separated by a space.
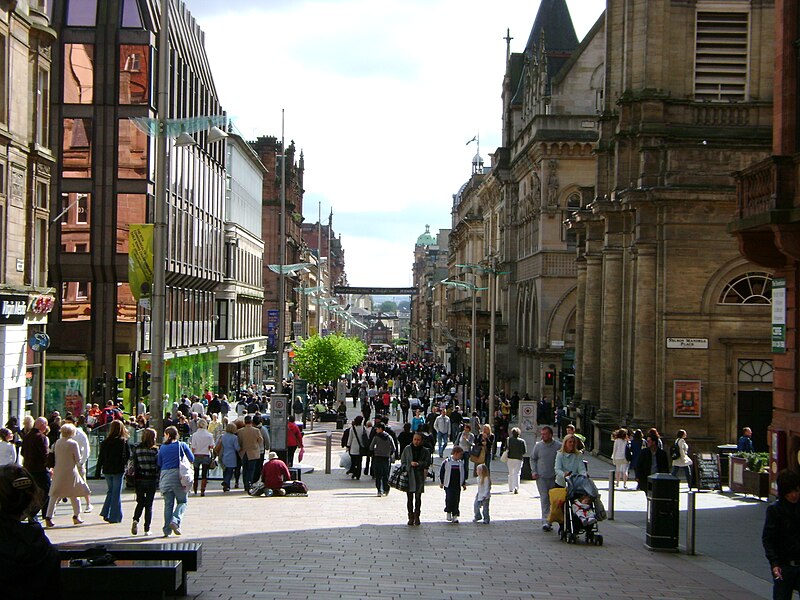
pixel 13 309
pixel 278 418
pixel 341 391
pixel 707 467
pixel 272 329
pixel 688 343
pixel 779 315
pixel 686 399
pixel 529 430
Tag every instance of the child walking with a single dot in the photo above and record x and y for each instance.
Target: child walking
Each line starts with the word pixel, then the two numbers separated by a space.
pixel 484 495
pixel 453 478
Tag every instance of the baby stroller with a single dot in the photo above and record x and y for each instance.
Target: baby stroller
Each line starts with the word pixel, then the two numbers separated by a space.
pixel 579 511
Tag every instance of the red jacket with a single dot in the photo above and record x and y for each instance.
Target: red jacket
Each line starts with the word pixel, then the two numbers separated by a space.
pixel 293 436
pixel 274 473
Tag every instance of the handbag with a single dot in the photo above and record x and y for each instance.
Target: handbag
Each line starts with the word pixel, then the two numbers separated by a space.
pixel 185 468
pixel 399 479
pixel 480 458
pixel 504 456
pixel 345 461
pixel 600 510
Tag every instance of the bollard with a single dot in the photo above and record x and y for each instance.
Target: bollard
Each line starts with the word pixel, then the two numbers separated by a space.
pixel 612 475
pixel 328 440
pixel 691 505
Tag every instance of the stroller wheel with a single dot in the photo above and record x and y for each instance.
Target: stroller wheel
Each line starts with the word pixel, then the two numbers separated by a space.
pixel 598 540
pixel 571 538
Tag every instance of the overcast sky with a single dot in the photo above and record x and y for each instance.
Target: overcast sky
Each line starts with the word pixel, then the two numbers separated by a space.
pixel 381 96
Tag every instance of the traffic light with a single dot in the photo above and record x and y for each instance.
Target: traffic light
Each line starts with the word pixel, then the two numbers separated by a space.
pixel 145 383
pixel 130 380
pixel 99 384
pixel 118 389
pixel 549 378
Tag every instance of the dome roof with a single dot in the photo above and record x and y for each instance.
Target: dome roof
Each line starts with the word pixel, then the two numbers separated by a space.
pixel 426 239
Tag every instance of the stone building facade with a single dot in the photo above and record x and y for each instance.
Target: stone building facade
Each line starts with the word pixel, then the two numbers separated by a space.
pixel 671 318
pixel 27 43
pixel 427 338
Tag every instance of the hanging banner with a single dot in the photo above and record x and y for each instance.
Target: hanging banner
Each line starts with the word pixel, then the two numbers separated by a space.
pixel 140 260
pixel 272 329
pixel 779 315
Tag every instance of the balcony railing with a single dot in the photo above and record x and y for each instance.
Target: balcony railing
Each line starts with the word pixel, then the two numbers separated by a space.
pixel 767 186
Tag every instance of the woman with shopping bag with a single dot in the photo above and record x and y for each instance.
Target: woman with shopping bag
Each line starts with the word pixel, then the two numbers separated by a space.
pixel 175 460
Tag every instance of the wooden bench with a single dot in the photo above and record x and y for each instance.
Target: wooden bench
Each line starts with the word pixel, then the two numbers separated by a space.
pixel 125 580
pixel 188 553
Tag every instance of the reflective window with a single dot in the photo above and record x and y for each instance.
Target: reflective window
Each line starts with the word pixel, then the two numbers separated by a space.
pixel 76 301
pixel 82 13
pixel 78 73
pixel 130 15
pixel 75 222
pixel 77 148
pixel 134 74
pixel 131 208
pixel 749 288
pixel 126 304
pixel 43 108
pixel 132 151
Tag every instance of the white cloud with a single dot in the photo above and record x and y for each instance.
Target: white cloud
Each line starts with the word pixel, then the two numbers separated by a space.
pixel 381 95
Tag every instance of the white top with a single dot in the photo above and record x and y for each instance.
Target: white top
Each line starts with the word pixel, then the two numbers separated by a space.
pixel 198 408
pixel 683 460
pixel 8 453
pixel 442 424
pixel 83 444
pixel 484 488
pixel 202 442
pixel 619 449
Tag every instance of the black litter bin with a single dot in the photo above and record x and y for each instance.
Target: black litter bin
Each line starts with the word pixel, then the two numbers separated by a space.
pixel 725 451
pixel 340 421
pixel 662 513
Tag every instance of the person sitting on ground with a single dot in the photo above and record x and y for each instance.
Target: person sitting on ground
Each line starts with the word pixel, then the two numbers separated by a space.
pixel 274 473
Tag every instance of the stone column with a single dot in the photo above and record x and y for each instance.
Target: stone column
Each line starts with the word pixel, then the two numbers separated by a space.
pixel 580 306
pixel 611 340
pixel 644 354
pixel 592 322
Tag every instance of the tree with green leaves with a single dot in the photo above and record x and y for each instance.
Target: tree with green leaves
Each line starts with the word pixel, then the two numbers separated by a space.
pixel 388 306
pixel 322 359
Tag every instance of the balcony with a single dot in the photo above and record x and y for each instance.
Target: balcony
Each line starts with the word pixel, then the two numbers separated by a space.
pixel 764 188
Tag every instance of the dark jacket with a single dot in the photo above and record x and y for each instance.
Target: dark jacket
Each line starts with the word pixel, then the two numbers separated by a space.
pixel 516 448
pixel 643 468
pixel 26 552
pixel 781 536
pixel 34 451
pixel 113 457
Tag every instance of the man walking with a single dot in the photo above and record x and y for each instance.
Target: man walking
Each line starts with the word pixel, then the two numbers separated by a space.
pixel 383 449
pixel 250 443
pixel 442 427
pixel 35 447
pixel 543 462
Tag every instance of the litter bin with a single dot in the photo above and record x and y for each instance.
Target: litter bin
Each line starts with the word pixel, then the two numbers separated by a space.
pixel 662 513
pixel 340 421
pixel 724 451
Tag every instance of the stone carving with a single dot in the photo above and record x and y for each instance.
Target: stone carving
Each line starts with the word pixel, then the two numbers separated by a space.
pixel 552 185
pixel 536 190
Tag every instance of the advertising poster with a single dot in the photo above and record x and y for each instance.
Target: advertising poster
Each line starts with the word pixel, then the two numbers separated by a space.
pixel 686 398
pixel 272 329
pixel 140 260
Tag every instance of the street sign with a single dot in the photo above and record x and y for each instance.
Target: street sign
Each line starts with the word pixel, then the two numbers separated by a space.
pixel 278 419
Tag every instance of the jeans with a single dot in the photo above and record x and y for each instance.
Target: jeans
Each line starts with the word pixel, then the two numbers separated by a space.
pixel 544 485
pixel 514 470
pixel 112 507
pixel 484 505
pixel 175 498
pixel 380 464
pixel 145 494
pixel 687 471
pixel 442 439
pixel 249 467
pixel 227 473
pixel 782 589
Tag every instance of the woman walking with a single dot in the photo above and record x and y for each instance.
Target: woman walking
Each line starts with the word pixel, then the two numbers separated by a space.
pixel 228 451
pixel 202 447
pixel 356 447
pixel 169 481
pixel 618 455
pixel 569 460
pixel 415 460
pixel 682 463
pixel 517 448
pixel 67 479
pixel 145 476
pixel 111 462
pixel 486 441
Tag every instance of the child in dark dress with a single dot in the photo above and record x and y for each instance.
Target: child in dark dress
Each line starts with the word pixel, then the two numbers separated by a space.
pixel 452 478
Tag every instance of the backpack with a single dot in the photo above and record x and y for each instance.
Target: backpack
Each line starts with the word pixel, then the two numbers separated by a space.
pixel 628 452
pixel 676 451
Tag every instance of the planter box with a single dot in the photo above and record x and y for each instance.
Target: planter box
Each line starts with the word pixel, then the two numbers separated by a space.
pixel 743 481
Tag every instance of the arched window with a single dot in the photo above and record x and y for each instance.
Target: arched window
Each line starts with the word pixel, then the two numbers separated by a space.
pixel 748 288
pixel 755 371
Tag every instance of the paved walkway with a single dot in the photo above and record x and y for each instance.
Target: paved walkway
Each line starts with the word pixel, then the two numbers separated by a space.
pixel 344 542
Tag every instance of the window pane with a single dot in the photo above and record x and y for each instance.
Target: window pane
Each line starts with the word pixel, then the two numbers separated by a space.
pixel 76 301
pixel 77 148
pixel 75 222
pixel 134 74
pixel 78 73
pixel 126 304
pixel 82 13
pixel 43 108
pixel 130 14
pixel 131 208
pixel 132 151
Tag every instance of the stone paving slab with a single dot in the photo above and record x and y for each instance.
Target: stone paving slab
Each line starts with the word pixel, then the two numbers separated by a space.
pixel 342 541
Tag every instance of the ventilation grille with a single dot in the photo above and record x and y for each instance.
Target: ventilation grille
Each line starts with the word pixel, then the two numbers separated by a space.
pixel 720 72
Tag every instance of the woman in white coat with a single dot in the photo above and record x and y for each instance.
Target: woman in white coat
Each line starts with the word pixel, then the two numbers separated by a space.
pixel 67 479
pixel 682 463
pixel 356 436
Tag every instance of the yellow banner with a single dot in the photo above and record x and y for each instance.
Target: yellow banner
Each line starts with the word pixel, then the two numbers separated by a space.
pixel 140 260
